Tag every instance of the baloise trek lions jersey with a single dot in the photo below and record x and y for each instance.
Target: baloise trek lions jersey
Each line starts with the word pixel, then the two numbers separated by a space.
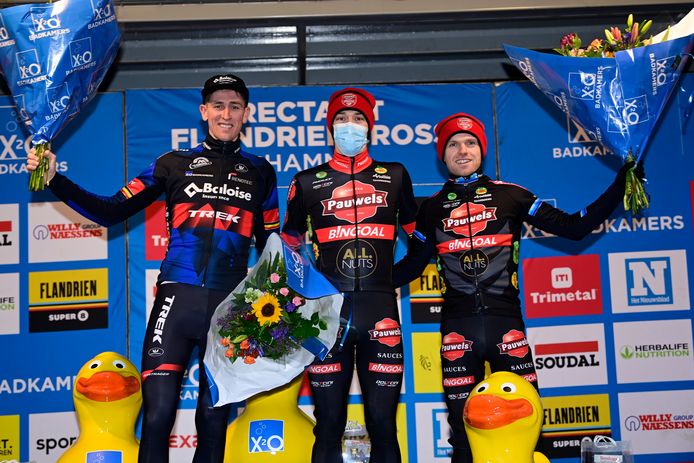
pixel 217 198
pixel 352 208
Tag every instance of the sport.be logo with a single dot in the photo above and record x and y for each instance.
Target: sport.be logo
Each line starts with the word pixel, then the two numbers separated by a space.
pixel 582 85
pixel 649 281
pixel 28 64
pixel 102 9
pixel 43 20
pixel 58 98
pixel 81 52
pixel 266 436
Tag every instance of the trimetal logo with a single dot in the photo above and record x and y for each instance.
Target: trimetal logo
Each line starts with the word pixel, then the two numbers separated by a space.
pixel 649 281
pixel 81 52
pixel 58 98
pixel 562 277
pixel 44 22
pixel 28 64
pixel 266 436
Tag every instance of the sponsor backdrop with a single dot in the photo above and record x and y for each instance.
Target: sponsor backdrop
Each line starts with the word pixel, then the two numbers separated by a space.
pixel 609 318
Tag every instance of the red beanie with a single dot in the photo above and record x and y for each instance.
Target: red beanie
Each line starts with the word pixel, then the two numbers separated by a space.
pixel 457 123
pixel 351 98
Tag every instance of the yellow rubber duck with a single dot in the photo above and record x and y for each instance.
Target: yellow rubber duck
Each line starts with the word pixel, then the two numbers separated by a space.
pixel 107 397
pixel 503 418
pixel 271 428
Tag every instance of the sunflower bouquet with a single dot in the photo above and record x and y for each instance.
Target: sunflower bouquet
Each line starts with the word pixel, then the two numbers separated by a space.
pixel 263 320
pixel 278 320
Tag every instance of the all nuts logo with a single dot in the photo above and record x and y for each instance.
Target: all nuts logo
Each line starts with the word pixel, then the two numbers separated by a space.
pixel 386 331
pixel 514 343
pixel 454 346
pixel 469 219
pixel 346 200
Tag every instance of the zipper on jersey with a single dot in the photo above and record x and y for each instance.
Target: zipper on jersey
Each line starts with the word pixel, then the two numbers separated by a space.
pixel 357 276
pixel 479 299
pixel 215 203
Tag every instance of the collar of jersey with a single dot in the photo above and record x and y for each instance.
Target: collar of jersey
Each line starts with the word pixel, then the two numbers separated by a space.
pixel 343 163
pixel 226 148
pixel 467 180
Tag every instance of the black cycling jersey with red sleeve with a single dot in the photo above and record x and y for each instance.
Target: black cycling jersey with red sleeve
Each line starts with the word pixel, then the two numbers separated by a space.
pixel 217 198
pixel 351 208
pixel 474 226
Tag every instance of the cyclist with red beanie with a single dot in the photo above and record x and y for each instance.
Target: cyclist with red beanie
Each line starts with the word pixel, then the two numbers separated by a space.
pixel 351 207
pixel 473 226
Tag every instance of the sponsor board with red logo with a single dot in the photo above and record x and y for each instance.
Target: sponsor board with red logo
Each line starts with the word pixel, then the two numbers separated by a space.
pixel 652 351
pixel 9 303
pixel 658 422
pixel 50 434
pixel 562 286
pixel 156 231
pixel 432 432
pixel 570 355
pixel 9 233
pixel 57 233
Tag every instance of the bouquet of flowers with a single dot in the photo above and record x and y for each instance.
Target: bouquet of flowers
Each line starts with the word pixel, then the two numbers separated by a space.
pixel 616 91
pixel 277 320
pixel 53 57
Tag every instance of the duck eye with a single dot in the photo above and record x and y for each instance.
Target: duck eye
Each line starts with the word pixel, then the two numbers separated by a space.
pixel 482 387
pixel 95 364
pixel 119 364
pixel 508 387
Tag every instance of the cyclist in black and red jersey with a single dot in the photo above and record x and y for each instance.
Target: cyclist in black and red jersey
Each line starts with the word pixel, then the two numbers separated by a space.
pixel 352 206
pixel 217 198
pixel 473 225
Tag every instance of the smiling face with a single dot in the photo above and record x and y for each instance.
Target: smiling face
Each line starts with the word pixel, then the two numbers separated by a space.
pixel 462 155
pixel 225 113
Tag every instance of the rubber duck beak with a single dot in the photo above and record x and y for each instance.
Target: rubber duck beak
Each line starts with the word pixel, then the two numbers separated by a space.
pixel 108 386
pixel 490 412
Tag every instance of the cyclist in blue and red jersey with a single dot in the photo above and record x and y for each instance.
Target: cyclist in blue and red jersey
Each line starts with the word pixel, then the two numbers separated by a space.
pixel 218 197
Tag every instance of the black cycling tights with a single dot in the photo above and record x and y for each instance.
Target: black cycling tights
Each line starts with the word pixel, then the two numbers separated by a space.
pixel 179 321
pixel 466 343
pixel 374 339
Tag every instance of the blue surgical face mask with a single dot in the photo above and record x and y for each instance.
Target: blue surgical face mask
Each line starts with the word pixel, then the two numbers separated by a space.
pixel 350 138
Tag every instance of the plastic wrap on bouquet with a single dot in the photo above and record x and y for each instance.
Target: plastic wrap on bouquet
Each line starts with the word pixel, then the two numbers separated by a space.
pixel 234 381
pixel 618 100
pixel 54 56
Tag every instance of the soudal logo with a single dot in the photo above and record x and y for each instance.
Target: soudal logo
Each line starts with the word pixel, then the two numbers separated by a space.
pixel 360 198
pixel 469 219
pixel 81 52
pixel 5 230
pixel 458 381
pixel 385 368
pixel 562 355
pixel 325 368
pixel 210 189
pixel 386 331
pixel 200 162
pixel 454 346
pixel 60 231
pixel 514 343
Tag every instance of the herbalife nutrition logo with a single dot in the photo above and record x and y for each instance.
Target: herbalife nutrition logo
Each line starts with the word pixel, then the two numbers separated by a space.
pixel 644 351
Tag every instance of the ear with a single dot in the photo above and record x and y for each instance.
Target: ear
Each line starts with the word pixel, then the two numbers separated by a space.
pixel 203 112
pixel 246 113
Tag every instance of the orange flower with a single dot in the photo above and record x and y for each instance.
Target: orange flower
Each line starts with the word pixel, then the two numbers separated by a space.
pixel 224 342
pixel 230 352
pixel 244 344
pixel 249 360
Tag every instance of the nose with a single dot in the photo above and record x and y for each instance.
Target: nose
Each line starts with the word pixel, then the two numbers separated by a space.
pixel 226 113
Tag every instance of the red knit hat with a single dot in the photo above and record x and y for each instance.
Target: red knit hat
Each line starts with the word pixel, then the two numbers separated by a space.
pixel 351 98
pixel 457 123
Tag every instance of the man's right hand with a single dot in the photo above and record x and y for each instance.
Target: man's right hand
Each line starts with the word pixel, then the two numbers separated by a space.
pixel 33 163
